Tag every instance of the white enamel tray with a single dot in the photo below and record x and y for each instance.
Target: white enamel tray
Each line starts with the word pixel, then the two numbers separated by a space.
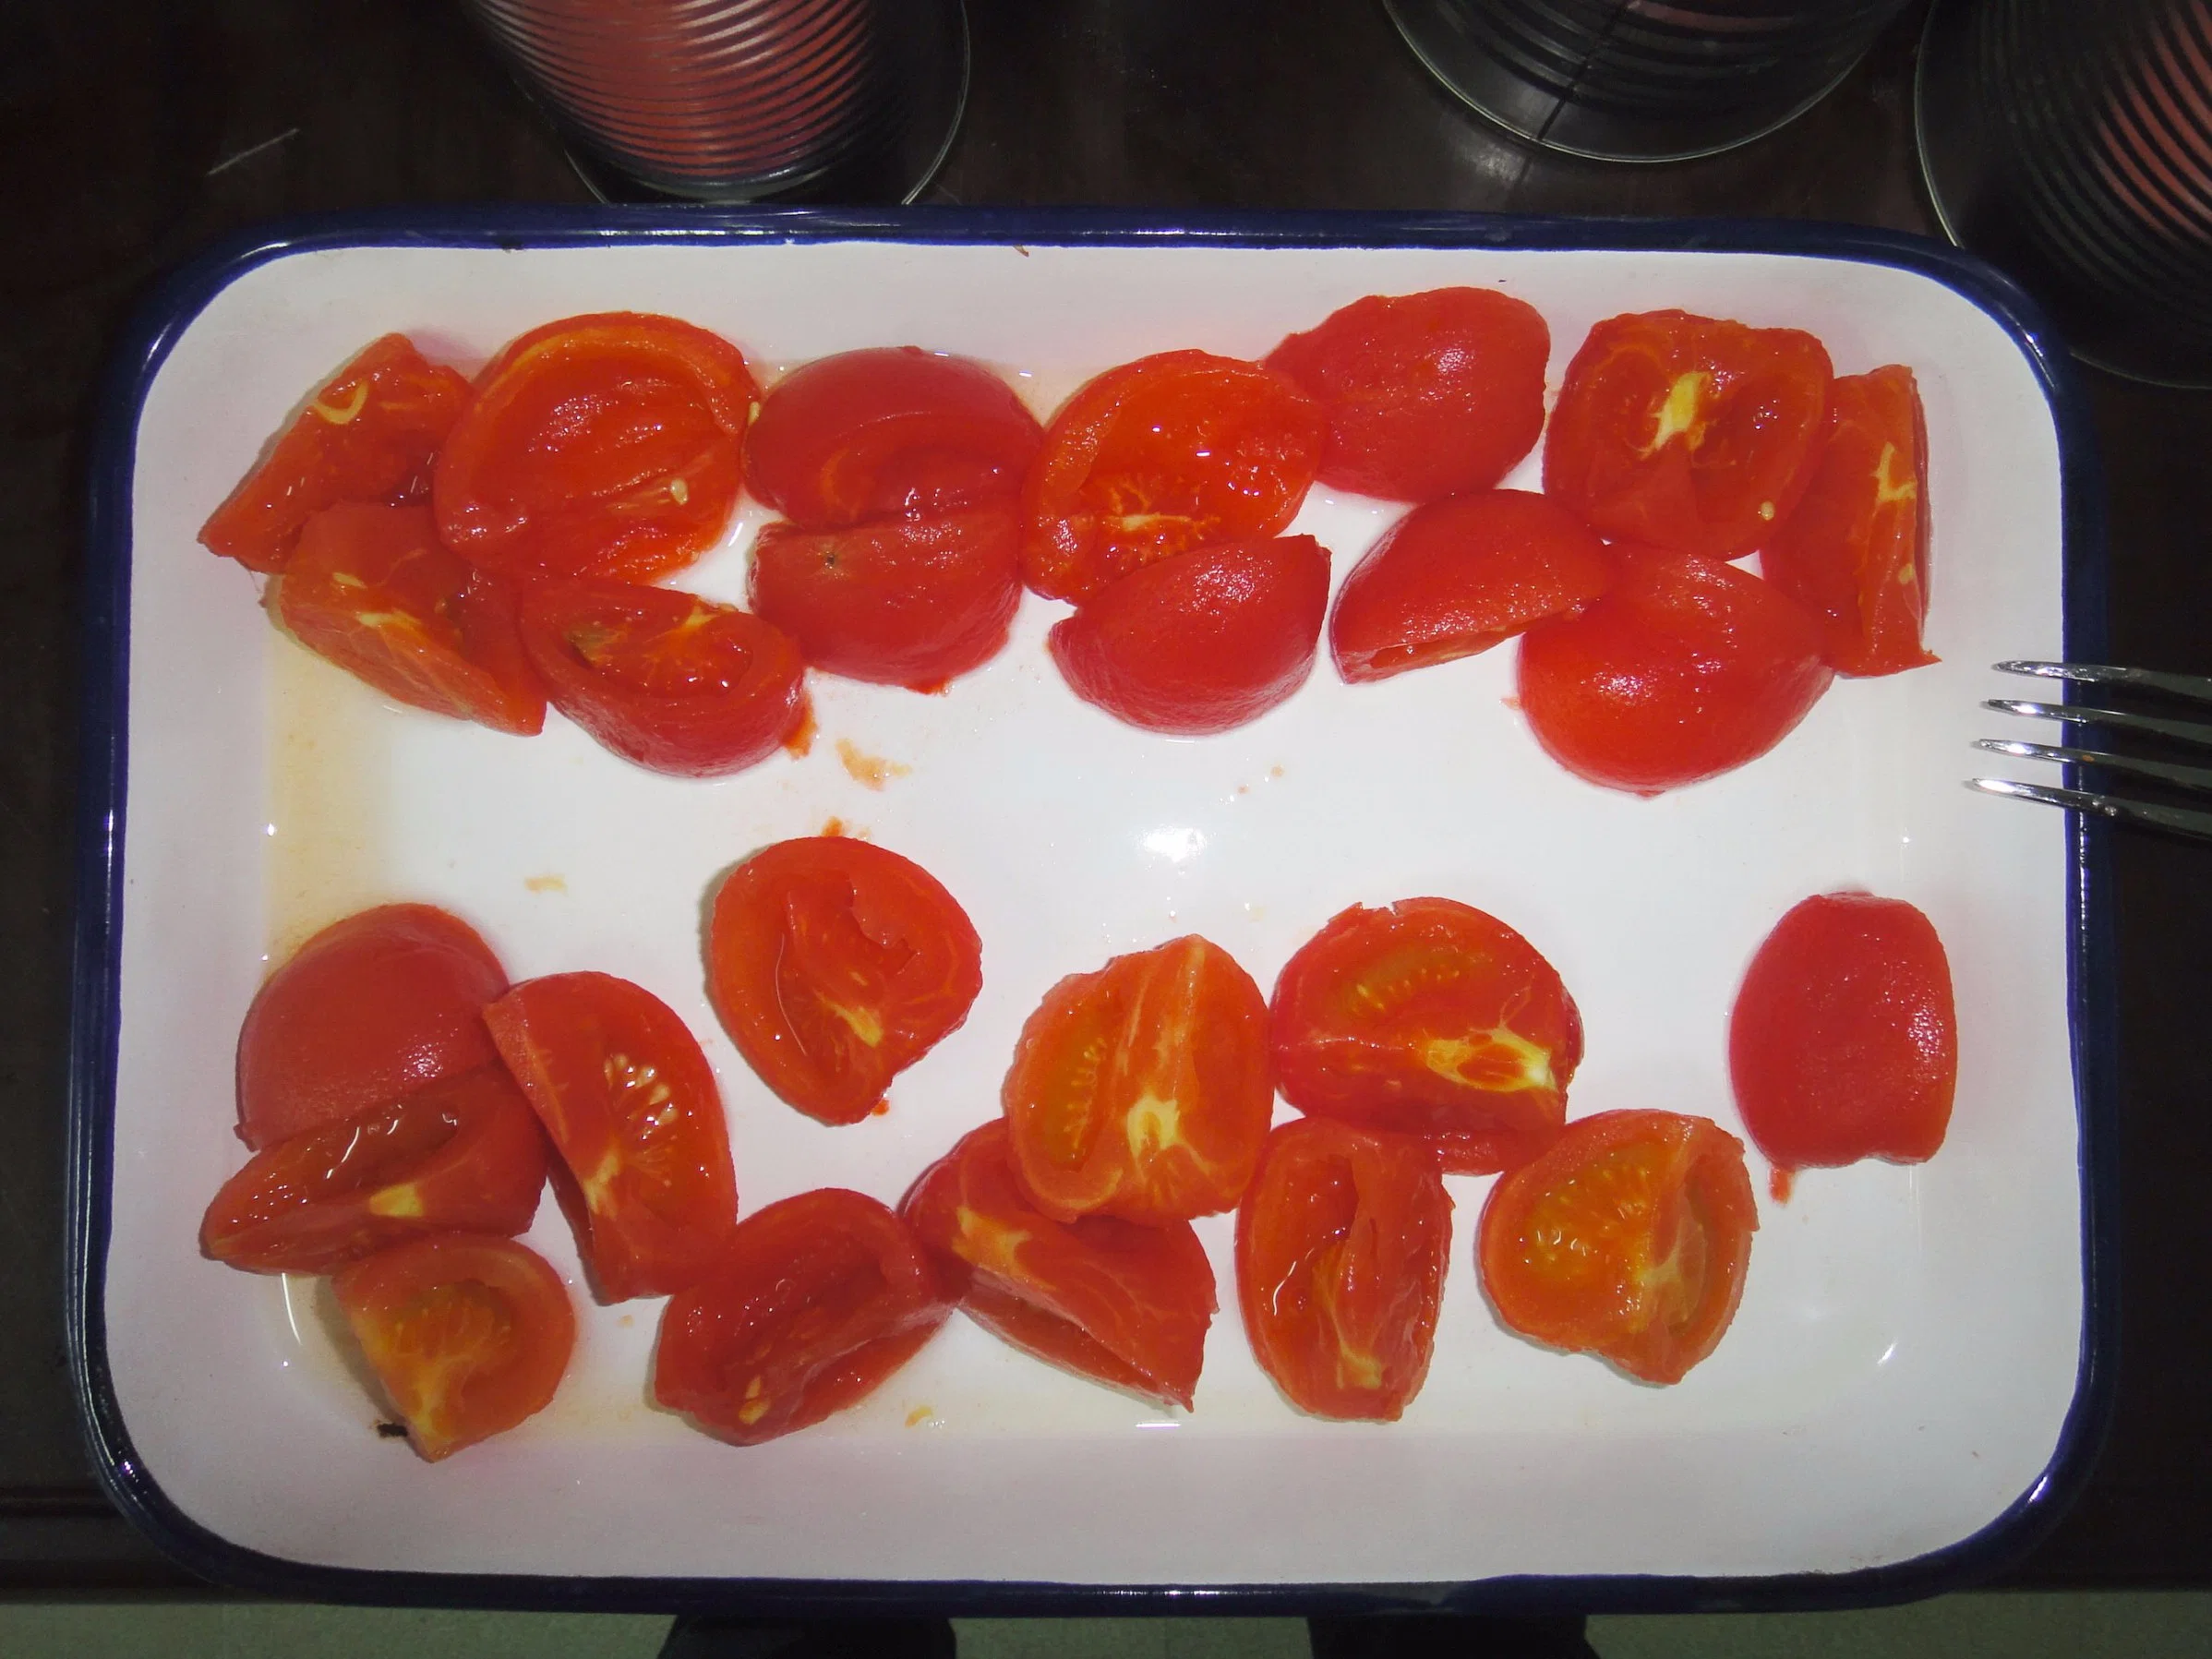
pixel 1909 1384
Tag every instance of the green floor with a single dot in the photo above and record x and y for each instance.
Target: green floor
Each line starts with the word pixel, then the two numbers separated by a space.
pixel 1961 1627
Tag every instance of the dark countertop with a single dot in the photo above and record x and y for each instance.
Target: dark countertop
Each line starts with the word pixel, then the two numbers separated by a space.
pixel 133 132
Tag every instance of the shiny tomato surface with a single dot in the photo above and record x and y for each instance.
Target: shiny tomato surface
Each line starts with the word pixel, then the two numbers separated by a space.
pixel 1143 1090
pixel 1458 576
pixel 1170 452
pixel 908 602
pixel 630 1105
pixel 1688 432
pixel 607 445
pixel 809 1307
pixel 463 1154
pixel 666 680
pixel 1121 1304
pixel 1854 553
pixel 1199 641
pixel 368 434
pixel 1627 1238
pixel 1844 1041
pixel 834 964
pixel 1426 394
pixel 367 1011
pixel 1429 1017
pixel 1341 1243
pixel 1684 669
pixel 469 1334
pixel 376 592
pixel 894 432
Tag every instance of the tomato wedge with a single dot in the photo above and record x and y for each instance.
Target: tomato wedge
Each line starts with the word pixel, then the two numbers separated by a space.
pixel 368 434
pixel 1143 1090
pixel 1688 432
pixel 464 1154
pixel 1119 1303
pixel 1458 576
pixel 836 965
pixel 813 1302
pixel 469 1334
pixel 1199 641
pixel 894 430
pixel 1844 1041
pixel 1628 1238
pixel 1158 456
pixel 1341 1243
pixel 367 1011
pixel 631 1104
pixel 607 445
pixel 1426 394
pixel 1434 1019
pixel 906 602
pixel 1684 669
pixel 376 592
pixel 667 680
pixel 1854 553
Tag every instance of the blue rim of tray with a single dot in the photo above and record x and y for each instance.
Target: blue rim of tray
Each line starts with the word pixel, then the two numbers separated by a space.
pixel 95 1014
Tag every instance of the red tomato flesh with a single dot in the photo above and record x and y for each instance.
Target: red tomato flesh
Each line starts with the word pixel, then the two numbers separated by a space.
pixel 1844 1041
pixel 468 1334
pixel 668 680
pixel 607 445
pixel 368 436
pixel 1458 576
pixel 1199 641
pixel 630 1105
pixel 1628 1238
pixel 1107 1299
pixel 1174 452
pixel 890 431
pixel 834 964
pixel 1426 394
pixel 1684 669
pixel 464 1154
pixel 812 1304
pixel 1342 1243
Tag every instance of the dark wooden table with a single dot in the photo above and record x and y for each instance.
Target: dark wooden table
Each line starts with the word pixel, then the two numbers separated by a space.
pixel 133 132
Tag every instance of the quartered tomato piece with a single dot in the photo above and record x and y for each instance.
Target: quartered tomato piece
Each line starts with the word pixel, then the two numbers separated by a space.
pixel 666 680
pixel 891 431
pixel 1458 576
pixel 606 445
pixel 630 1105
pixel 468 1333
pixel 1686 668
pixel 1199 641
pixel 907 602
pixel 811 1303
pixel 1143 1090
pixel 1844 1043
pixel 464 1154
pixel 836 965
pixel 376 592
pixel 1342 1243
pixel 1107 1299
pixel 1628 1238
pixel 1688 432
pixel 1429 1017
pixel 1854 553
pixel 1426 394
pixel 365 1013
pixel 1158 456
pixel 368 434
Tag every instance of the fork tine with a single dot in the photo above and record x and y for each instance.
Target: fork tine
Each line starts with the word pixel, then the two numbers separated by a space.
pixel 2187 778
pixel 2181 820
pixel 2083 714
pixel 2101 674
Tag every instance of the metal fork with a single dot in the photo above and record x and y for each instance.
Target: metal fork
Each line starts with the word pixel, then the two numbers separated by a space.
pixel 2190 687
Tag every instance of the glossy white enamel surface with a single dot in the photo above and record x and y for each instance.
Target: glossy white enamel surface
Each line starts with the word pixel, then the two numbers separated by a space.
pixel 1907 1344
